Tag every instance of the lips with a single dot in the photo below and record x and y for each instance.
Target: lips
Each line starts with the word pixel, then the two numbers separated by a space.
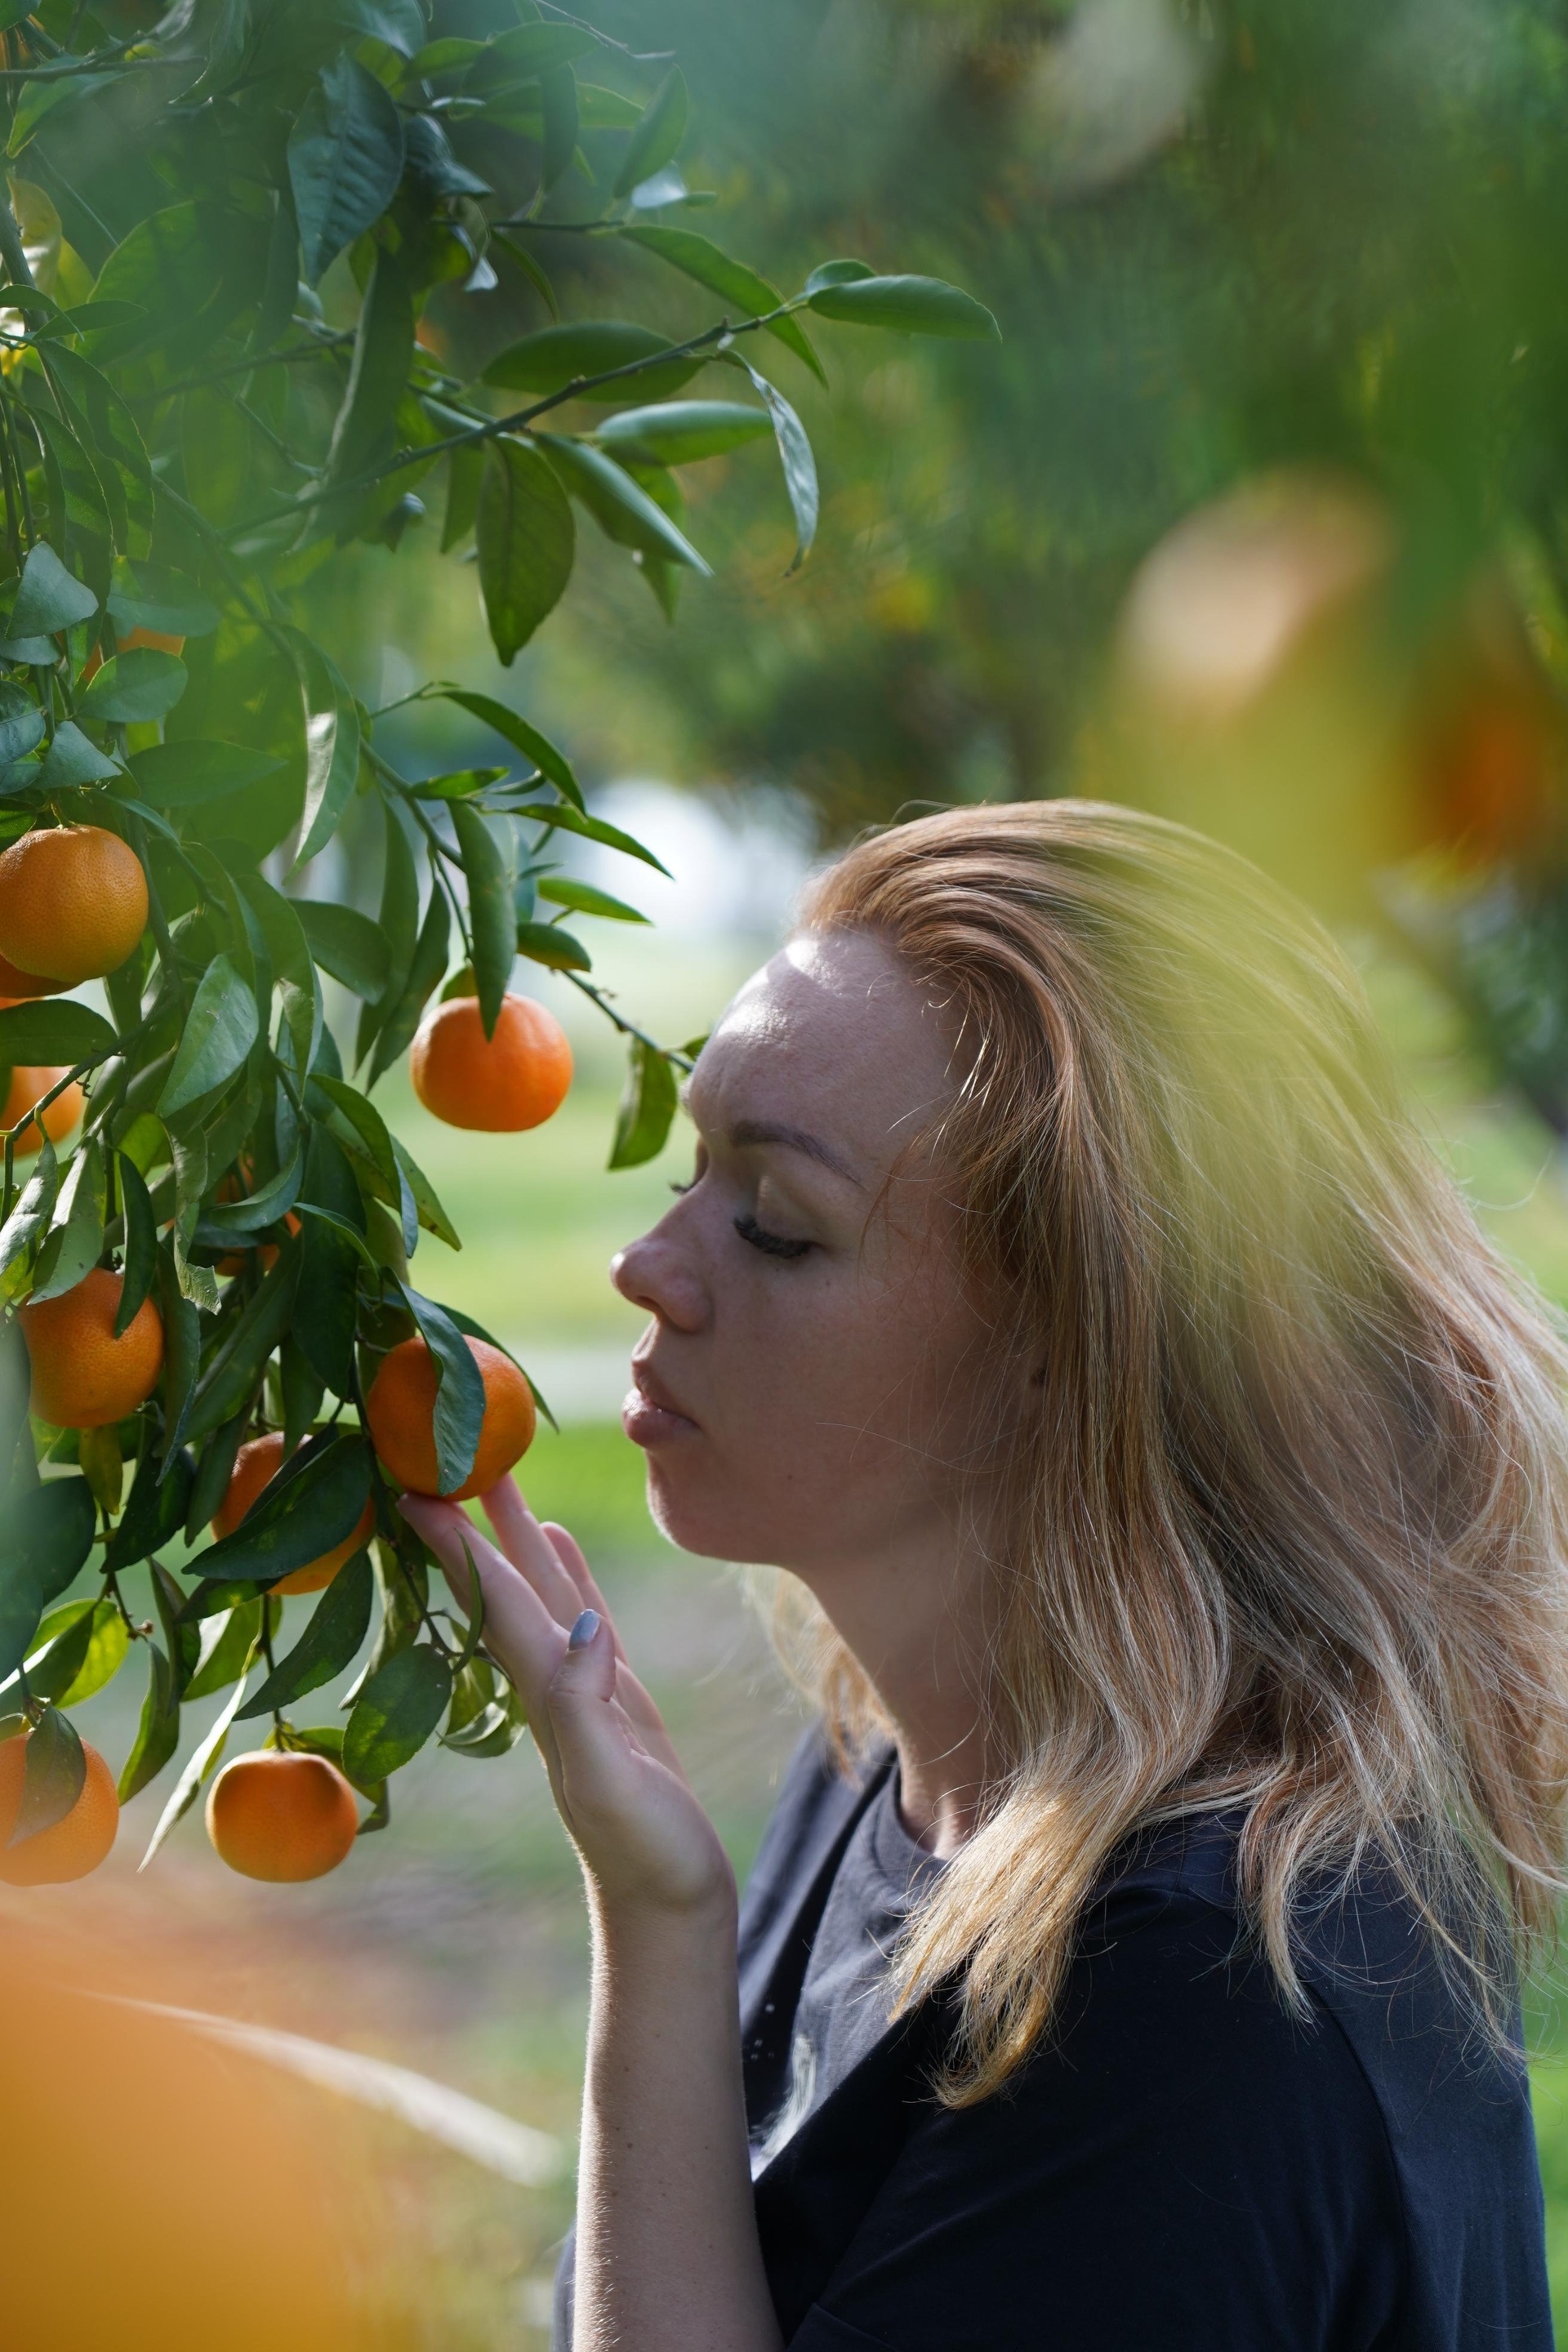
pixel 650 1415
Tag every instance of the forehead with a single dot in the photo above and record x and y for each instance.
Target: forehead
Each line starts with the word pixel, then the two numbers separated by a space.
pixel 832 1036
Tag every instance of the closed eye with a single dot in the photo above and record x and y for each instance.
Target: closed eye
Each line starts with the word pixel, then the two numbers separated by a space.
pixel 773 1245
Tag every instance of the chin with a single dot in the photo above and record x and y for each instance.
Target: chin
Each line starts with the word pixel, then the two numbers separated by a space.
pixel 711 1526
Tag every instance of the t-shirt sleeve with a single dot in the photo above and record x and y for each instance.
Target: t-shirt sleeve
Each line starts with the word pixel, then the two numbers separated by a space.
pixel 1184 2168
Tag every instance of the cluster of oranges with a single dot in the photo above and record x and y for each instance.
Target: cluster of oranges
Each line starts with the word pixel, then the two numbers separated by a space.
pixel 73 907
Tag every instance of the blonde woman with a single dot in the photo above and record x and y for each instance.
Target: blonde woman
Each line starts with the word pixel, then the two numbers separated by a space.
pixel 1173 1480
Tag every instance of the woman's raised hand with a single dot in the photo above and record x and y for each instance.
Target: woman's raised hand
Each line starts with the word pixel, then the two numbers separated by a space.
pixel 645 1841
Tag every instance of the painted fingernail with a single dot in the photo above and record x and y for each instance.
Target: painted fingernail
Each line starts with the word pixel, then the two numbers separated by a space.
pixel 583 1631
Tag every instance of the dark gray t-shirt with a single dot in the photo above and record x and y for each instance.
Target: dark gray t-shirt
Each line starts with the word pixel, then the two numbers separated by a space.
pixel 844 1996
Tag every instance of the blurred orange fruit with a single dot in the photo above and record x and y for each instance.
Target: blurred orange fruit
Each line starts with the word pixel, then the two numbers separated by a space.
pixel 516 1078
pixel 17 986
pixel 27 1082
pixel 83 1376
pixel 128 643
pixel 401 1411
pixel 73 902
pixel 72 1846
pixel 254 1465
pixel 281 1815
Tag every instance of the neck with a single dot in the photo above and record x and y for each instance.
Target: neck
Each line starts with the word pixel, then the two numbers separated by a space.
pixel 916 1629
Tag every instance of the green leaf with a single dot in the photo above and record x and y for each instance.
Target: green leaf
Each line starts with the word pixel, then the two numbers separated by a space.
pixel 101 1656
pixel 345 943
pixel 259 1209
pixel 461 784
pixel 220 1029
pixel 298 987
pixel 132 689
pixel 204 1761
pixel 21 723
pixel 182 1358
pixel 744 290
pixel 74 759
pixel 558 91
pixel 370 1129
pixel 53 1030
pixel 526 542
pixel 646 1110
pixel 235 1373
pixel 908 306
pixel 27 1221
pixel 44 1545
pixel 399 24
pixel 331 1642
pixel 546 943
pixel 427 1208
pixel 529 51
pixel 331 745
pixel 51 598
pixel 657 136
pixel 583 899
pixel 553 357
pixel 227 1643
pixel 494 1731
pixel 158 1734
pixel 140 1242
pixel 345 159
pixel 326 1305
pixel 39 98
pixel 63 1640
pixel 459 1390
pixel 465 474
pixel 492 926
pixel 510 724
pixel 151 597
pixel 75 1238
pixel 425 974
pixel 310 1506
pixel 621 508
pixel 428 157
pixel 837 273
pixel 182 774
pixel 679 431
pixel 155 1511
pixel 591 828
pixel 397 920
pixel 382 355
pixel 396 1713
pixel 795 458
pixel 53 1776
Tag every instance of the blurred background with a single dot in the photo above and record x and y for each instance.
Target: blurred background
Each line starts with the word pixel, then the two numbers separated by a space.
pixel 1256 517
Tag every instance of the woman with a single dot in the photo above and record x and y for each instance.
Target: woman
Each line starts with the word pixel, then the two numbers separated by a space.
pixel 1175 1482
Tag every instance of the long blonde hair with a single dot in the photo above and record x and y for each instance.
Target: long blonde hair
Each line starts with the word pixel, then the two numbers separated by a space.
pixel 1289 1532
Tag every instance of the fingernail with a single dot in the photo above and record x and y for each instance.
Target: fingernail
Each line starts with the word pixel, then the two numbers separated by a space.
pixel 583 1631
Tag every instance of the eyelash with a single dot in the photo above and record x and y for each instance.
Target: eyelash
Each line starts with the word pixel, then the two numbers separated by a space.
pixel 771 1244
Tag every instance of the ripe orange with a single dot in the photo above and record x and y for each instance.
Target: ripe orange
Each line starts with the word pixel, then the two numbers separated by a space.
pixel 27 1082
pixel 17 986
pixel 74 1845
pixel 400 1410
pixel 73 902
pixel 128 643
pixel 515 1079
pixel 281 1815
pixel 255 1464
pixel 83 1376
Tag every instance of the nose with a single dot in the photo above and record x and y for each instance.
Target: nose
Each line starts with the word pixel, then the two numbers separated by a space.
pixel 656 1275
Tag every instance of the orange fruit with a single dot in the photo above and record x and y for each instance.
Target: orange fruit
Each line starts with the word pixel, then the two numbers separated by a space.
pixel 515 1079
pixel 27 1082
pixel 73 902
pixel 128 643
pixel 17 986
pixel 281 1815
pixel 254 1465
pixel 83 1376
pixel 400 1410
pixel 72 1846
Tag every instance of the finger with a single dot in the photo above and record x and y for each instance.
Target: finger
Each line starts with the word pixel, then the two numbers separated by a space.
pixel 569 1552
pixel 526 1545
pixel 520 1632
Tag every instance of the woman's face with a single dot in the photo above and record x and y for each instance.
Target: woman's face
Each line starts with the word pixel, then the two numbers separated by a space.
pixel 809 1387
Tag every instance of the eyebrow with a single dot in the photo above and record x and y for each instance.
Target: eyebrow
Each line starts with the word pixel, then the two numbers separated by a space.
pixel 793 1139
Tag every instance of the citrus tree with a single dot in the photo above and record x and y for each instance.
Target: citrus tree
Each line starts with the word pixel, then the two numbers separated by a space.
pixel 223 229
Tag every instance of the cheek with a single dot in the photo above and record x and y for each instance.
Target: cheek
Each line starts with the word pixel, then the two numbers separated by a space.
pixel 825 1395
